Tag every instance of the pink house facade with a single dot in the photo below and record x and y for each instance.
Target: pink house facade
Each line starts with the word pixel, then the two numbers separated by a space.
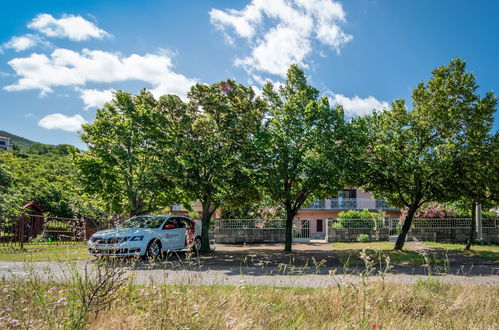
pixel 320 211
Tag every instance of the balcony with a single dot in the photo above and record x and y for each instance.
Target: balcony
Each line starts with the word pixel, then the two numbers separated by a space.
pixel 349 204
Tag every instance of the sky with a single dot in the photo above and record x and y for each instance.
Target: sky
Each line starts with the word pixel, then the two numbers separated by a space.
pixel 61 60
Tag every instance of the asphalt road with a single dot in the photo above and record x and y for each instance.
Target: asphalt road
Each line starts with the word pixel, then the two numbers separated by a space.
pixel 310 265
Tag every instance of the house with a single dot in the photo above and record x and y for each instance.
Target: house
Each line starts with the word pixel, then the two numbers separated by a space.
pixel 319 211
pixel 5 143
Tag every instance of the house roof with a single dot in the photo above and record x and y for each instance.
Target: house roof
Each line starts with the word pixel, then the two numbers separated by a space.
pixel 33 205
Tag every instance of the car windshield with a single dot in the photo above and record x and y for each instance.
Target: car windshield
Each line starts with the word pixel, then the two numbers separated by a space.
pixel 143 222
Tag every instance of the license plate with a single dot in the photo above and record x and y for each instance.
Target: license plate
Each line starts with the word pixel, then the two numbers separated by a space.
pixel 100 247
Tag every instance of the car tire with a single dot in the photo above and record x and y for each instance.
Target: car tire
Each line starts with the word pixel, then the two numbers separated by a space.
pixel 153 250
pixel 197 244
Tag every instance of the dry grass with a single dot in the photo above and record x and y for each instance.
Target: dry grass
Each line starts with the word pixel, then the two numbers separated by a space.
pixel 426 304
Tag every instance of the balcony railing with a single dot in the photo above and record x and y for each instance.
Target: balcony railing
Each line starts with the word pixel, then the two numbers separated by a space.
pixel 349 204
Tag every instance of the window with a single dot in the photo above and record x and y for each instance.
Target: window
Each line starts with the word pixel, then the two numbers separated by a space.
pixel 349 193
pixel 320 226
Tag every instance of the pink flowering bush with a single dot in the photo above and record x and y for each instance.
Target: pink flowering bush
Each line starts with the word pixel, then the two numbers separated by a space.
pixel 432 210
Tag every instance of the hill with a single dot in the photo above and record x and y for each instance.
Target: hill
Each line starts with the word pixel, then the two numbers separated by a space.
pixel 21 142
pixel 37 148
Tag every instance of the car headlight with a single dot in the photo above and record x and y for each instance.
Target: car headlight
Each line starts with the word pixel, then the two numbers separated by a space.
pixel 136 238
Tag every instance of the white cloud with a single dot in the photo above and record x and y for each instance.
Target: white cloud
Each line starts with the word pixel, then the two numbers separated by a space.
pixel 281 33
pixel 73 27
pixel 65 67
pixel 62 122
pixel 94 98
pixel 21 43
pixel 356 106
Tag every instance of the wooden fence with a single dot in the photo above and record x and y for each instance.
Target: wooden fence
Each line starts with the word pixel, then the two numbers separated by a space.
pixel 37 229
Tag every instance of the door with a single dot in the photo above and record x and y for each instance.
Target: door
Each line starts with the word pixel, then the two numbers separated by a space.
pixel 301 231
pixel 173 235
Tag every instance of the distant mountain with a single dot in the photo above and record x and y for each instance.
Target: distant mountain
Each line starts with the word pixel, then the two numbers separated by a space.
pixel 21 142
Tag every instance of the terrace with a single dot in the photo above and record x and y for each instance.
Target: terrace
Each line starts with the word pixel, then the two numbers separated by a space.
pixel 349 204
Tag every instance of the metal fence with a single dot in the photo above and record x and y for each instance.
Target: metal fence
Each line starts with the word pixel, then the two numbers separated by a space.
pixel 251 223
pixel 357 223
pixel 430 223
pixel 37 229
pixel 300 229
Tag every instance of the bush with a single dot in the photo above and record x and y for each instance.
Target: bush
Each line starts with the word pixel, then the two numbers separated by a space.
pixel 363 238
pixel 349 219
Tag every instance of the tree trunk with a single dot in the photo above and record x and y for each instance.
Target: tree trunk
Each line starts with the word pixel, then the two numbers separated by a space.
pixel 290 215
pixel 205 227
pixel 406 226
pixel 471 237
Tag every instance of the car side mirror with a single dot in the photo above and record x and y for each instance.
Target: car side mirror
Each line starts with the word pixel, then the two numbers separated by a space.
pixel 169 227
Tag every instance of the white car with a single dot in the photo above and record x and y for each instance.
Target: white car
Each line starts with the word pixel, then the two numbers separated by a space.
pixel 147 236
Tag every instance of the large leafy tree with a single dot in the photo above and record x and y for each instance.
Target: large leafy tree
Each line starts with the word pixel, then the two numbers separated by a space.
pixel 411 152
pixel 214 155
pixel 303 146
pixel 48 179
pixel 122 164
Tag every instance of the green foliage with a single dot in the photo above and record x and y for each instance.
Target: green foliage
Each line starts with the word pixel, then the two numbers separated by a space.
pixel 356 214
pixel 42 149
pixel 411 153
pixel 122 164
pixel 214 154
pixel 303 147
pixel 363 238
pixel 50 180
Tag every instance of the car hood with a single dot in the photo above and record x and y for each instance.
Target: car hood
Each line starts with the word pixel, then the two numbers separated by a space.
pixel 121 232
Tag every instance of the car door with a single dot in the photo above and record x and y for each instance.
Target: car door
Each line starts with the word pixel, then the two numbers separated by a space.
pixel 173 234
pixel 169 233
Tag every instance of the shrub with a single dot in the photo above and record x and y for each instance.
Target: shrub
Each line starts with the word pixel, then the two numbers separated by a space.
pixel 363 238
pixel 349 219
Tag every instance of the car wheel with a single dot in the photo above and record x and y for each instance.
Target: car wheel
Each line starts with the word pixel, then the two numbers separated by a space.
pixel 197 244
pixel 153 250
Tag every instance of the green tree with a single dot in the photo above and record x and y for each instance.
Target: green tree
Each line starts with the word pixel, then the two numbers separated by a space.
pixel 476 169
pixel 122 164
pixel 215 153
pixel 410 153
pixel 303 146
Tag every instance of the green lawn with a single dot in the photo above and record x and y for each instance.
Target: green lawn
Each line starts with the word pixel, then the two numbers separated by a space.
pixel 44 252
pixel 490 252
pixel 350 253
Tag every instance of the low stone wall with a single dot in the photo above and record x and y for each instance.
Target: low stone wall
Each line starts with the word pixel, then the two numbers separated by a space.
pixel 254 235
pixel 351 234
pixel 450 235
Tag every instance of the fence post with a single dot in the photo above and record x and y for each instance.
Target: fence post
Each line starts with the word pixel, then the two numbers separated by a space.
pixel 20 223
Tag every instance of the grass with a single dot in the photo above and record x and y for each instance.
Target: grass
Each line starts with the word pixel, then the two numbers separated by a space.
pixel 44 252
pixel 349 253
pixel 490 252
pixel 425 305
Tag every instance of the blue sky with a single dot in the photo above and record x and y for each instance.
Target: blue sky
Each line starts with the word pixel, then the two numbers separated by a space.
pixel 59 60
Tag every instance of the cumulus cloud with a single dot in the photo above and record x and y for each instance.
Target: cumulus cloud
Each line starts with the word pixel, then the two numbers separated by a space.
pixel 94 98
pixel 357 106
pixel 62 122
pixel 20 43
pixel 73 27
pixel 281 32
pixel 65 67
